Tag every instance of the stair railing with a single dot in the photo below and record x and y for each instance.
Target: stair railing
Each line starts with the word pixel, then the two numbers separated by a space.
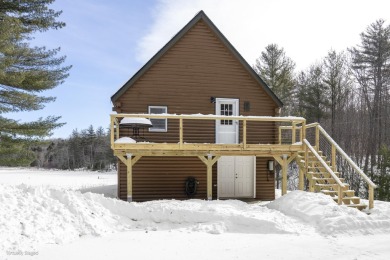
pixel 341 186
pixel 335 152
pixel 337 149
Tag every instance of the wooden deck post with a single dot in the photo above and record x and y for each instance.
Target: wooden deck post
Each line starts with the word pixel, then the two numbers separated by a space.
pixel 117 128
pixel 209 163
pixel 209 178
pixel 284 174
pixel 303 131
pixel 294 133
pixel 340 196
pixel 284 163
pixel 181 133
pixel 300 183
pixel 334 163
pixel 129 178
pixel 370 197
pixel 306 159
pixel 112 129
pixel 129 161
pixel 244 133
pixel 317 138
pixel 311 185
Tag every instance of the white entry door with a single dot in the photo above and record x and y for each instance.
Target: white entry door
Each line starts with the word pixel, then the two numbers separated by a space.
pixel 236 174
pixel 226 130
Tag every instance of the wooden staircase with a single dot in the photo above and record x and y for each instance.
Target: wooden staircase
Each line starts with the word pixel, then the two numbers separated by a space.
pixel 318 174
pixel 319 179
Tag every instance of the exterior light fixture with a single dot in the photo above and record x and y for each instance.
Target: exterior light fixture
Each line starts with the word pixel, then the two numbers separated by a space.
pixel 270 165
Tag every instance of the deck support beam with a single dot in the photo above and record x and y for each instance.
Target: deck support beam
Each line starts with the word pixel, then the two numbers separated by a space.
pixel 284 163
pixel 129 161
pixel 284 174
pixel 209 163
pixel 301 179
pixel 129 179
pixel 301 174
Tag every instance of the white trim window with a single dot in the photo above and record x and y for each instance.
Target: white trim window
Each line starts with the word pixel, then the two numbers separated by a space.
pixel 159 125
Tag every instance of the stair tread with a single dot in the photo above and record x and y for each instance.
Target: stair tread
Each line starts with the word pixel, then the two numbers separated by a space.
pixel 348 197
pixel 334 193
pixel 337 191
pixel 310 172
pixel 326 179
pixel 361 205
pixel 330 184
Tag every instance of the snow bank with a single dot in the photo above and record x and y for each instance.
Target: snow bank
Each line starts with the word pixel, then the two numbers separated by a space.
pixel 213 217
pixel 40 215
pixel 32 214
pixel 326 216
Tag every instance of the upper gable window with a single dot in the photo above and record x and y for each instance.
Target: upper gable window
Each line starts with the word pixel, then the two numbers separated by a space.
pixel 159 125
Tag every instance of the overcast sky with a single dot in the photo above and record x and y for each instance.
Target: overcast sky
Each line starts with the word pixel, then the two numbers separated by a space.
pixel 108 41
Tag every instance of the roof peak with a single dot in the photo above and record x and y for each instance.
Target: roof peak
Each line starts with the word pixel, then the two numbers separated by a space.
pixel 200 15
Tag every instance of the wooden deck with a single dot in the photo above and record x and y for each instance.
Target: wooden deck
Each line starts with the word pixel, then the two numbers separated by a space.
pixel 308 157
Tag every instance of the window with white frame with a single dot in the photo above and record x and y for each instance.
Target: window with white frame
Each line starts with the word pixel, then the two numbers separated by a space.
pixel 159 125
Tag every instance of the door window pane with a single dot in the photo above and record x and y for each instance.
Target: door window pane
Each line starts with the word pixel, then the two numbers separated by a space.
pixel 226 110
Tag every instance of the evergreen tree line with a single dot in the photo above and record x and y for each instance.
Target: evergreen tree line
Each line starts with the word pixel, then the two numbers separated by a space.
pixel 86 149
pixel 347 92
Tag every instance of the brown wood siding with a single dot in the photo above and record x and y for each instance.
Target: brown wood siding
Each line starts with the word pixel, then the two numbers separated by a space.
pixel 164 178
pixel 265 181
pixel 196 68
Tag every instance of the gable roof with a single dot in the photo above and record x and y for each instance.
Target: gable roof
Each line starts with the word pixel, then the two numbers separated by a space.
pixel 200 16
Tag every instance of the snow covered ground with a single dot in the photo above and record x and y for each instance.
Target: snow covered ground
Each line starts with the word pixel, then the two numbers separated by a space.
pixel 67 215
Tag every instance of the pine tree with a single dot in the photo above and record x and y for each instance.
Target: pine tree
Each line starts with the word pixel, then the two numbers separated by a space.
pixel 91 141
pixel 337 82
pixel 371 68
pixel 25 72
pixel 277 70
pixel 76 153
pixel 311 94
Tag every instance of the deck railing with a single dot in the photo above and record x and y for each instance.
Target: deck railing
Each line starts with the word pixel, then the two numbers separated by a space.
pixel 243 121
